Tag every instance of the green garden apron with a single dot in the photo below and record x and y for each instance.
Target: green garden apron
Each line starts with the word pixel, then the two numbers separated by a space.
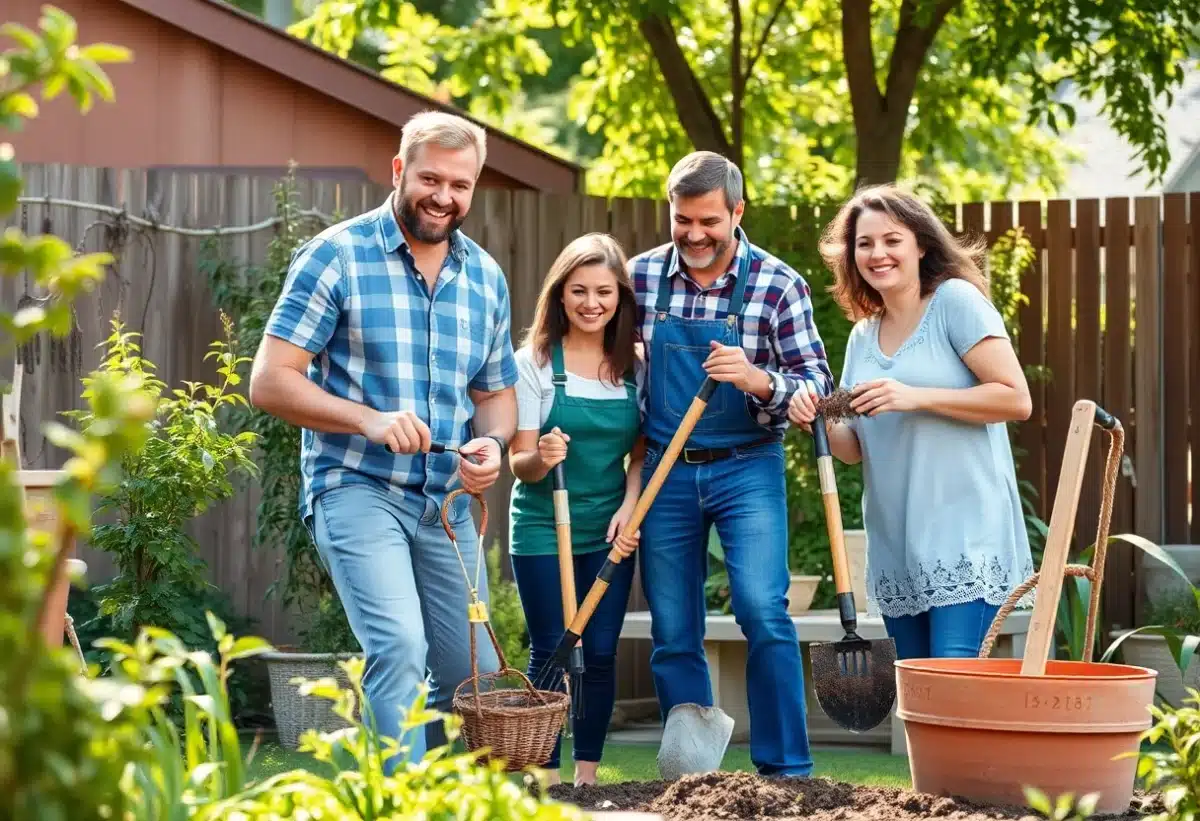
pixel 602 433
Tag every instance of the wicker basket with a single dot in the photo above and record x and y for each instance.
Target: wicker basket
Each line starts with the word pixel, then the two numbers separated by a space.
pixel 296 713
pixel 516 726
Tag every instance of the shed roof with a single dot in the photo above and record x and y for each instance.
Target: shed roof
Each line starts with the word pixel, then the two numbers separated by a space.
pixel 234 30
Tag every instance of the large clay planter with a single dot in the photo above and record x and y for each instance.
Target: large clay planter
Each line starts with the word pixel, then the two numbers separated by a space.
pixel 979 729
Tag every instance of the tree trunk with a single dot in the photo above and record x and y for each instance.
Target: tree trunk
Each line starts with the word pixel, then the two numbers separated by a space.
pixel 877 158
pixel 880 117
pixel 696 113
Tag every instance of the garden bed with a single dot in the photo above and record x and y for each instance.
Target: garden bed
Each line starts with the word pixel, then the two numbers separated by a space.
pixel 726 796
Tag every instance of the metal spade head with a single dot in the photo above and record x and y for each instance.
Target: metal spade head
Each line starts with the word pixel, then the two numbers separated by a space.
pixel 694 740
pixel 855 680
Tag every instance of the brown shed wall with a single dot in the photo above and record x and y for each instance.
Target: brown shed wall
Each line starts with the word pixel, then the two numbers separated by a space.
pixel 186 103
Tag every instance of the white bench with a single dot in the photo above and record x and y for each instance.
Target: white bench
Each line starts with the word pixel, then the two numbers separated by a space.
pixel 725 648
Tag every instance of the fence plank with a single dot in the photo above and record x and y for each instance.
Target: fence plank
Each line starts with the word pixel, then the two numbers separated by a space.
pixel 1174 367
pixel 1031 435
pixel 1087 355
pixel 1060 353
pixel 1120 588
pixel 1194 363
pixel 1147 386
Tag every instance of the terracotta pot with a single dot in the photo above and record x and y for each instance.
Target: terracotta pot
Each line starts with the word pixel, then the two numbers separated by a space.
pixel 978 729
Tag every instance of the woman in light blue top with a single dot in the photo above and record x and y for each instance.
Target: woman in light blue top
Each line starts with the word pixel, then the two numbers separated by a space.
pixel 934 379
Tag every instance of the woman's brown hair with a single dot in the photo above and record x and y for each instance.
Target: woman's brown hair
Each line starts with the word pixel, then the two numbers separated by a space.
pixel 945 255
pixel 550 323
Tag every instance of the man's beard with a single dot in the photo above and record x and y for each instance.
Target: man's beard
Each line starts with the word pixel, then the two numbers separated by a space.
pixel 420 227
pixel 709 254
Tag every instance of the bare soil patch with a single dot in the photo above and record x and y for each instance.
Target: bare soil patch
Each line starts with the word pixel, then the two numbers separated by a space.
pixel 734 796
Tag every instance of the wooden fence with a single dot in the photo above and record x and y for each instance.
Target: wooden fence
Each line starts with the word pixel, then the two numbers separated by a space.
pixel 1113 307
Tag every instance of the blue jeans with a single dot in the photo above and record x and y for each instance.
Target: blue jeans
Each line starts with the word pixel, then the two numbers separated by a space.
pixel 953 631
pixel 539 585
pixel 405 596
pixel 744 496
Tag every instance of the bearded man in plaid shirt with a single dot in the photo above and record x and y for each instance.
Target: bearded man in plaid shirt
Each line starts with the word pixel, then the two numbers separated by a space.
pixel 713 304
pixel 392 332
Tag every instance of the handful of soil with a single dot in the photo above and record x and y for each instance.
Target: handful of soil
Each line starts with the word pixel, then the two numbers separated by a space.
pixel 836 406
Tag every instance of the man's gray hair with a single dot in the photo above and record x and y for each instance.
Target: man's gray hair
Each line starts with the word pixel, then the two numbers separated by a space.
pixel 445 130
pixel 703 171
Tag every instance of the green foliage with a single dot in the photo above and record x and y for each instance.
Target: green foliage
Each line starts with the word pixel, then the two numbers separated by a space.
pixel 1065 807
pixel 184 467
pixel 480 66
pixel 248 295
pixel 506 614
pixel 64 739
pixel 1171 764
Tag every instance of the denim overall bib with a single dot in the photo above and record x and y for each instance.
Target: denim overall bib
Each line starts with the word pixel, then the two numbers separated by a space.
pixel 730 476
pixel 678 349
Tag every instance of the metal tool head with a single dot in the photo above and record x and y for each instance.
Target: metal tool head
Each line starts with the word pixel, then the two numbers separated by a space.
pixel 855 681
pixel 694 740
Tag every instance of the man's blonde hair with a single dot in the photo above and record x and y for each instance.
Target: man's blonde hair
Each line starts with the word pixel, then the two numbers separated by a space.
pixel 445 130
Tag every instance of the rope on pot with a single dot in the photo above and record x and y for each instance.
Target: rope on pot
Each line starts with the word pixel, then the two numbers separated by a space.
pixel 1094 573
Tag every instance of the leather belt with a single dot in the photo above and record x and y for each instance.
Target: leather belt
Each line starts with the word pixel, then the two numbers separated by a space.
pixel 703 456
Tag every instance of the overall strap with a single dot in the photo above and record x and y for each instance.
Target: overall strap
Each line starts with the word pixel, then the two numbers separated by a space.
pixel 663 303
pixel 556 362
pixel 743 276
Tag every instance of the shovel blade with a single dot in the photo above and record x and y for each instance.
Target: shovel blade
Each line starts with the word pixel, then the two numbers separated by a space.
pixel 855 681
pixel 694 740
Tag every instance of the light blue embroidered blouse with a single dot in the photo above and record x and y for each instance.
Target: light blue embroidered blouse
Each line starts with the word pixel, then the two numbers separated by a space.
pixel 941 508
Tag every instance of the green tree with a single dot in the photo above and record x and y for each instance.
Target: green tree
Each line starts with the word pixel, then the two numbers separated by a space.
pixel 809 97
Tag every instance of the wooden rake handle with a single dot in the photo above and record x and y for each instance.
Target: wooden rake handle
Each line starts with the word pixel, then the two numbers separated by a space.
pixel 604 577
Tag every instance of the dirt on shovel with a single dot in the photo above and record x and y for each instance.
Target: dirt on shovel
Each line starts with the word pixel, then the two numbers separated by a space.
pixel 732 796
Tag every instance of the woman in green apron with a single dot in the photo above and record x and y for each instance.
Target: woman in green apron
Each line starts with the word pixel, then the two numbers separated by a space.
pixel 577 404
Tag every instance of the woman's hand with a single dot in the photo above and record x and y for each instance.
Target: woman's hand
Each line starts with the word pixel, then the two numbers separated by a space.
pixel 624 543
pixel 883 395
pixel 552 447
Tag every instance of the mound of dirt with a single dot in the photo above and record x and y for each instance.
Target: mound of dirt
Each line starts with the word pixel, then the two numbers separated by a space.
pixel 734 796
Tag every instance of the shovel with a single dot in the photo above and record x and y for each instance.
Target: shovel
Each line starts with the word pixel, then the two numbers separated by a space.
pixel 566 576
pixel 854 678
pixel 686 724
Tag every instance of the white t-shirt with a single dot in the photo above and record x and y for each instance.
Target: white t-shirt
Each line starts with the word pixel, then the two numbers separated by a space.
pixel 535 388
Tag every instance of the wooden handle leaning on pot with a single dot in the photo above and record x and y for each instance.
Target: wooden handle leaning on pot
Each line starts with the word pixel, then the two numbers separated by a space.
pixel 604 577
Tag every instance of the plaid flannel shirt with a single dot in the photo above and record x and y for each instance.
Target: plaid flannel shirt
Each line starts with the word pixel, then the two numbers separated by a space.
pixel 354 297
pixel 778 331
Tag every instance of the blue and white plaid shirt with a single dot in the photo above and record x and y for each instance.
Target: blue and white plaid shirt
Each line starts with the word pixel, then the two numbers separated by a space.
pixel 778 331
pixel 355 299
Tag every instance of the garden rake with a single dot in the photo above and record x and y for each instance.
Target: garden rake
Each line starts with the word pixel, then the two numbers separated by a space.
pixel 576 625
pixel 854 679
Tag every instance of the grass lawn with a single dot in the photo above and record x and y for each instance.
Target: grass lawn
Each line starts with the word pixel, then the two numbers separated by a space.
pixel 636 762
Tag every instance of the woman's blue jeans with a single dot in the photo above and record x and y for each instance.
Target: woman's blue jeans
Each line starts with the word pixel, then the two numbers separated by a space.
pixel 539 587
pixel 953 631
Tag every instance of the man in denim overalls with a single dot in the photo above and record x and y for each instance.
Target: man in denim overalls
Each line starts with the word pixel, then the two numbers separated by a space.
pixel 711 303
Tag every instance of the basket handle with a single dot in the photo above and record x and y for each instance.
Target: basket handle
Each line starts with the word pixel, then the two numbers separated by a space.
pixel 450 497
pixel 504 668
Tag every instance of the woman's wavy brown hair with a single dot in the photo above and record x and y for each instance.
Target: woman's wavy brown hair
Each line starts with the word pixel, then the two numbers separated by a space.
pixel 945 256
pixel 550 323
